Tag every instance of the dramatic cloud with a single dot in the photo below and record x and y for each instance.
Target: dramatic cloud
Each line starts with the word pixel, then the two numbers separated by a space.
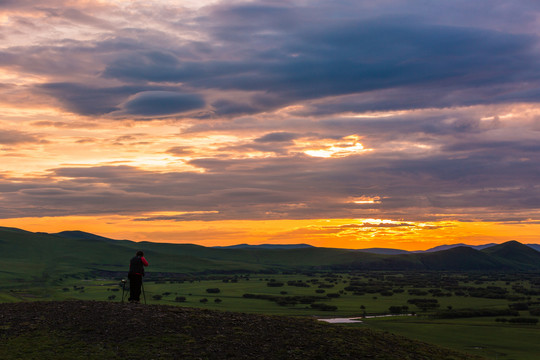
pixel 356 57
pixel 162 103
pixel 288 54
pixel 402 111
pixel 277 137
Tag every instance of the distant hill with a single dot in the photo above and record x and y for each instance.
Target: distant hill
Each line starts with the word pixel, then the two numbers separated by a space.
pixel 448 247
pixel 461 258
pixel 534 246
pixel 41 256
pixel 515 255
pixel 384 251
pixel 76 234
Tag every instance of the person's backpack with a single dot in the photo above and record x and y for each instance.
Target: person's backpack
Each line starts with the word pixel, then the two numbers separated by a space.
pixel 136 266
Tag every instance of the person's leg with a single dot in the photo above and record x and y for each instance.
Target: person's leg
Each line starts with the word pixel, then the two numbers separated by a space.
pixel 132 287
pixel 137 288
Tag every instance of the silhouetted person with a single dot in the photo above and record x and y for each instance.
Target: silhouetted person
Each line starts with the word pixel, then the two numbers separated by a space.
pixel 136 272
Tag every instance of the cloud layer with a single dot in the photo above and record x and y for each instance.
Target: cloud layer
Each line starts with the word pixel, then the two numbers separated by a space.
pixel 271 110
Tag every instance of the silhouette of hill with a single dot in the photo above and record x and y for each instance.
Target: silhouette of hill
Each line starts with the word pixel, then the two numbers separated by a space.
pixel 448 247
pixel 534 246
pixel 384 251
pixel 515 255
pixel 39 256
pixel 106 330
pixel 76 234
pixel 461 258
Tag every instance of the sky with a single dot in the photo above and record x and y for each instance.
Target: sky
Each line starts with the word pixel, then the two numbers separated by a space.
pixel 355 124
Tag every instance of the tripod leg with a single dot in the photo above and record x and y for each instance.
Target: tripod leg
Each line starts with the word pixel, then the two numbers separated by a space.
pixel 143 292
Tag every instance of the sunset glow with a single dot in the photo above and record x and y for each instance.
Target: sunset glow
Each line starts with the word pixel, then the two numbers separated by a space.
pixel 339 124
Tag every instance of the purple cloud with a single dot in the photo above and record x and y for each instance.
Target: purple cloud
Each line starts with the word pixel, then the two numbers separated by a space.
pixel 443 96
pixel 155 103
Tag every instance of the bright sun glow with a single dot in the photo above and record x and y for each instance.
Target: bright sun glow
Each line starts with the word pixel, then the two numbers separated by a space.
pixel 376 115
pixel 348 145
pixel 366 200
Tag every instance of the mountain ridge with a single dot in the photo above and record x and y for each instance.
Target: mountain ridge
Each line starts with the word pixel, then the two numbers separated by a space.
pixel 375 250
pixel 40 255
pixel 77 234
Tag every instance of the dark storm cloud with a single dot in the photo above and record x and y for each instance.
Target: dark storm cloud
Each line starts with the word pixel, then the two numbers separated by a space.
pixel 228 108
pixel 162 103
pixel 438 128
pixel 87 100
pixel 134 100
pixel 283 54
pixel 502 146
pixel 418 97
pixel 277 137
pixel 361 56
pixel 160 66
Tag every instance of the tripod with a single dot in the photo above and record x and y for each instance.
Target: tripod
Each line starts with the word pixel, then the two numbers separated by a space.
pixel 143 293
pixel 123 289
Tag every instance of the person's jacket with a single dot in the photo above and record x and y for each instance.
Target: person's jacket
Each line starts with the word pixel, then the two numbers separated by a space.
pixel 137 264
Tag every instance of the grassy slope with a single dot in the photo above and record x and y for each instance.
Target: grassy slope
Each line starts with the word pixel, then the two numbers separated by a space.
pixel 458 334
pixel 113 331
pixel 481 336
pixel 29 255
pixel 39 256
pixel 459 258
pixel 516 255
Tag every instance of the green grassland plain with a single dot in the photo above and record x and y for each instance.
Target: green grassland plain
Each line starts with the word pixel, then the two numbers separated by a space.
pixel 481 336
pixel 476 335
pixel 231 293
pixel 39 266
